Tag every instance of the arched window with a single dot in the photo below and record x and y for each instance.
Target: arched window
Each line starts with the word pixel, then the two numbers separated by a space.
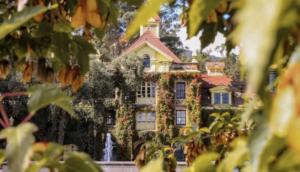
pixel 147 61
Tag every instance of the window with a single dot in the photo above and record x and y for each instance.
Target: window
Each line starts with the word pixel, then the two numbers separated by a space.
pixel 180 90
pixel 147 61
pixel 221 98
pixel 217 98
pixel 145 121
pixel 225 98
pixel 111 118
pixel 180 117
pixel 147 90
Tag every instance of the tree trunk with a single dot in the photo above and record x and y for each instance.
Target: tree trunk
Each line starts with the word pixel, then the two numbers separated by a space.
pixel 62 126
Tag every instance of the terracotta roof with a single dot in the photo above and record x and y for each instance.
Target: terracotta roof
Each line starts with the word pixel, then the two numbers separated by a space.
pixel 221 64
pixel 153 40
pixel 157 18
pixel 214 81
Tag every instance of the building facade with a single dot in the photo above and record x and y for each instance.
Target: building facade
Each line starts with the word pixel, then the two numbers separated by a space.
pixel 172 94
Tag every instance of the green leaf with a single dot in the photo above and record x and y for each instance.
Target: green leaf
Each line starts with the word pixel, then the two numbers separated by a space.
pixel 226 116
pixel 53 150
pixel 113 13
pixel 229 46
pixel 2 155
pixel 99 33
pixel 21 48
pixel 174 140
pixel 60 46
pixel 194 127
pixel 150 152
pixel 203 163
pixel 216 115
pixel 19 141
pixel 71 6
pixel 83 42
pixel 287 161
pixel 236 117
pixel 208 35
pixel 79 162
pixel 44 28
pixel 236 157
pixel 74 48
pixel 56 65
pixel 248 111
pixel 103 6
pixel 248 168
pixel 144 13
pixel 216 127
pixel 198 13
pixel 63 27
pixel 205 129
pixel 45 94
pixel 155 166
pixel 133 2
pixel 19 18
pixel 174 162
pixel 107 2
pixel 82 57
pixel 197 138
pixel 264 145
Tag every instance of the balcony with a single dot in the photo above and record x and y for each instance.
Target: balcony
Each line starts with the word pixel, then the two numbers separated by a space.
pixel 184 67
pixel 179 101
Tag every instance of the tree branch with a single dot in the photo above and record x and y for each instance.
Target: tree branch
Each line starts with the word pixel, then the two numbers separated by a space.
pixel 4 115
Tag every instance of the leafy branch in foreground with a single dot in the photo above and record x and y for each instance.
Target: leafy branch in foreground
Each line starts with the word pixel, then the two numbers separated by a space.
pixel 22 148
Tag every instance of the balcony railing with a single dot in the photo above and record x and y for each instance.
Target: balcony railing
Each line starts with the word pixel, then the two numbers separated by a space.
pixel 184 66
pixel 178 101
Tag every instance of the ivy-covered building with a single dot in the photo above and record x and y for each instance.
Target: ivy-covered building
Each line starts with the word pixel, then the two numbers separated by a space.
pixel 220 91
pixel 169 98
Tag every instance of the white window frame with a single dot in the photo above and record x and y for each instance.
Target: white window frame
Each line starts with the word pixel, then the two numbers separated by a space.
pixel 180 117
pixel 145 121
pixel 220 90
pixel 221 98
pixel 145 89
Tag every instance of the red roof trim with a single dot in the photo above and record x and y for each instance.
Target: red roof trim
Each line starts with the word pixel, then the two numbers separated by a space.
pixel 153 40
pixel 157 18
pixel 221 64
pixel 213 81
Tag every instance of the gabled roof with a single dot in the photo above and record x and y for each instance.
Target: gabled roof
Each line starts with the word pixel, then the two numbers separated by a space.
pixel 209 81
pixel 157 18
pixel 151 39
pixel 220 64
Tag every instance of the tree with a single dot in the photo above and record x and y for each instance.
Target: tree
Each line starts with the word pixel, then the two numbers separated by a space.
pixel 170 27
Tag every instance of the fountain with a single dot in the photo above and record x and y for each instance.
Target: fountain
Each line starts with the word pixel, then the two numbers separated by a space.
pixel 108 148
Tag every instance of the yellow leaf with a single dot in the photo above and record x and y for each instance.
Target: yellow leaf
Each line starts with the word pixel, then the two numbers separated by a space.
pixel 199 11
pixel 145 12
pixel 283 110
pixel 92 13
pixel 79 17
pixel 294 134
pixel 259 23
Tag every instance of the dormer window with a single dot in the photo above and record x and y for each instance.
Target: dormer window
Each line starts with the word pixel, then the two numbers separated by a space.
pixel 147 61
pixel 220 95
pixel 215 68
